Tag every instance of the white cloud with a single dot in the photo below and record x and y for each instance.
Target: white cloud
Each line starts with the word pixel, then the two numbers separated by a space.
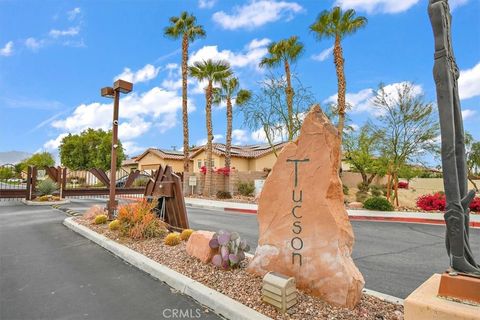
pixel 137 113
pixel 33 44
pixel 249 56
pixel 53 144
pixel 469 82
pixel 7 50
pixel 457 3
pixel 322 56
pixel 240 136
pixel 257 13
pixel 260 136
pixel 206 4
pixel 216 138
pixel 131 148
pixel 70 32
pixel 361 101
pixel 144 74
pixel 72 14
pixel 468 114
pixel 377 6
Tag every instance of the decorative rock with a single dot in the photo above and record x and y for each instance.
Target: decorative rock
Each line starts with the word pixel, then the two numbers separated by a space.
pixel 198 247
pixel 355 205
pixel 304 230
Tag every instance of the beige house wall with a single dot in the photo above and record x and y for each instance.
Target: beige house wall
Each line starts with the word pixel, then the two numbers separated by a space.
pixel 266 161
pixel 151 162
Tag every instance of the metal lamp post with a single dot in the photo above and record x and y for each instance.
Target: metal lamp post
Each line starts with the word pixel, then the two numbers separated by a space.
pixel 119 86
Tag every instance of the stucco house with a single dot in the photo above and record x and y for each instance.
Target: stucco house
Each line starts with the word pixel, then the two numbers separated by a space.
pixel 153 157
pixel 244 158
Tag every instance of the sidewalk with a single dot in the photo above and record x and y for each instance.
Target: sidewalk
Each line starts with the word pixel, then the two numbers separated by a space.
pixel 356 215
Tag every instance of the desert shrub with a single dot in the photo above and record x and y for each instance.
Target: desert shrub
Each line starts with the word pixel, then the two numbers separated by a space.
pixel 93 212
pixel 140 182
pixel 231 249
pixel 224 195
pixel 46 187
pixel 345 190
pixel 402 185
pixel 185 235
pixel 138 221
pixel 172 239
pixel 362 187
pixel 101 219
pixel 432 202
pixel 246 188
pixel 43 198
pixel 378 203
pixel 114 225
pixel 361 196
pixel 376 190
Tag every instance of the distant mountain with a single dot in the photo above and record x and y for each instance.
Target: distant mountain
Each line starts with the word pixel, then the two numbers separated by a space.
pixel 13 157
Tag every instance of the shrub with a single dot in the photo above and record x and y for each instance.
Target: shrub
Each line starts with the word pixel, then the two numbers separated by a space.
pixel 246 188
pixel 362 186
pixel 345 190
pixel 43 198
pixel 139 222
pixel 432 202
pixel 93 212
pixel 114 225
pixel 224 170
pixel 231 249
pixel 46 187
pixel 475 205
pixel 172 239
pixel 378 203
pixel 185 235
pixel 402 185
pixel 101 219
pixel 140 182
pixel 224 195
pixel 377 190
pixel 361 196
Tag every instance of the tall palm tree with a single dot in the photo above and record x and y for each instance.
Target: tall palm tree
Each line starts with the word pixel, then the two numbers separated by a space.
pixel 185 27
pixel 230 89
pixel 213 71
pixel 285 51
pixel 338 24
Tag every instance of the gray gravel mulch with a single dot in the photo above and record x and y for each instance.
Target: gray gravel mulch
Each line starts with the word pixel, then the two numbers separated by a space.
pixel 245 287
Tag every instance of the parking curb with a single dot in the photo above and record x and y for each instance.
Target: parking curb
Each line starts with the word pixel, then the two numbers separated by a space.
pixel 218 302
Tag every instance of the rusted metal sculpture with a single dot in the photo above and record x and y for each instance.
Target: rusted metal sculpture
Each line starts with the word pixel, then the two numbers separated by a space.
pixel 446 73
pixel 166 188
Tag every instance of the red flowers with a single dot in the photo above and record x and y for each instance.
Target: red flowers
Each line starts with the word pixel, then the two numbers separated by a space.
pixel 402 185
pixel 437 202
pixel 225 171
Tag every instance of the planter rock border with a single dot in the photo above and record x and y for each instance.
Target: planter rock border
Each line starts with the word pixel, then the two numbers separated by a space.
pixel 45 203
pixel 218 302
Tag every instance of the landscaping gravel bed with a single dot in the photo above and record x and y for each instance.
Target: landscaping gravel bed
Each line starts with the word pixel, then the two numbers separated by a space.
pixel 245 287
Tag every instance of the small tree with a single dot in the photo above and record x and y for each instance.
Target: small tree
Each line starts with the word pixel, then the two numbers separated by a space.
pixel 267 110
pixel 361 152
pixel 40 159
pixel 473 158
pixel 407 127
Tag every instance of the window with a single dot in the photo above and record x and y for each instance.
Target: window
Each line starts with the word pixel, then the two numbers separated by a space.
pixel 199 164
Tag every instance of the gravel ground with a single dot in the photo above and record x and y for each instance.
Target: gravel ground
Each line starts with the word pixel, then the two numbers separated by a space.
pixel 246 288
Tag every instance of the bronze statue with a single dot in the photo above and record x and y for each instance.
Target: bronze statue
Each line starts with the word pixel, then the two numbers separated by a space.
pixel 446 73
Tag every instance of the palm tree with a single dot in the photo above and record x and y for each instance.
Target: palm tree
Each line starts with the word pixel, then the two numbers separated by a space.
pixel 285 51
pixel 337 24
pixel 230 89
pixel 213 72
pixel 184 27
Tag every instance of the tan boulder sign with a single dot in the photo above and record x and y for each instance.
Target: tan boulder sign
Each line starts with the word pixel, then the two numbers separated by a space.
pixel 304 227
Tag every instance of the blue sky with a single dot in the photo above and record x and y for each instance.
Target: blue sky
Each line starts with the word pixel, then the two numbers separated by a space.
pixel 56 55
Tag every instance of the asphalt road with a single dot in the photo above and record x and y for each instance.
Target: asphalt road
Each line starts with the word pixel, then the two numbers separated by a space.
pixel 394 258
pixel 49 272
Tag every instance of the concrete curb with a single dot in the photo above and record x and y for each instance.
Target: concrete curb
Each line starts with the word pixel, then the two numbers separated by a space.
pixel 70 212
pixel 45 203
pixel 218 302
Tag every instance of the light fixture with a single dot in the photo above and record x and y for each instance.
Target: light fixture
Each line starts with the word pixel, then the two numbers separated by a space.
pixel 280 291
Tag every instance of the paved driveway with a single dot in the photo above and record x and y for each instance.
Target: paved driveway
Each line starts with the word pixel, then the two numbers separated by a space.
pixel 49 272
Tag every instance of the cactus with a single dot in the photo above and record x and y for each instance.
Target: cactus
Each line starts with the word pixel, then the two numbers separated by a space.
pixel 172 239
pixel 185 235
pixel 101 219
pixel 231 249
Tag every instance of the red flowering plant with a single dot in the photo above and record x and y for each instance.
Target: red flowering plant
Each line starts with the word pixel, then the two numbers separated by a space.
pixel 403 185
pixel 432 202
pixel 203 169
pixel 475 205
pixel 224 170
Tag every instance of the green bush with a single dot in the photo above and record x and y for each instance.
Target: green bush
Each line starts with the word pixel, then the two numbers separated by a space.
pixel 345 190
pixel 378 203
pixel 224 195
pixel 6 173
pixel 362 187
pixel 46 187
pixel 377 190
pixel 246 188
pixel 361 196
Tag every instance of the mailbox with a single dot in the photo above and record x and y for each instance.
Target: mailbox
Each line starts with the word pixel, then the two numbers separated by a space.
pixel 279 291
